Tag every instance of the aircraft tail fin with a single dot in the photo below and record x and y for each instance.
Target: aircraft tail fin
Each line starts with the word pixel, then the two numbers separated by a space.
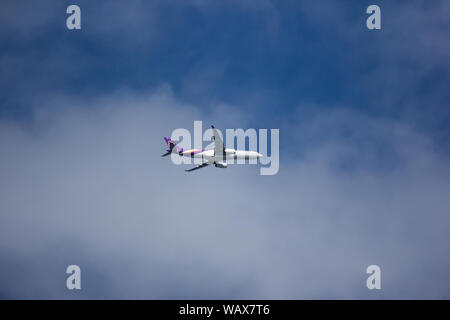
pixel 172 147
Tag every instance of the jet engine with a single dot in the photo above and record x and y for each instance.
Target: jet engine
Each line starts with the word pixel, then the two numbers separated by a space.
pixel 220 164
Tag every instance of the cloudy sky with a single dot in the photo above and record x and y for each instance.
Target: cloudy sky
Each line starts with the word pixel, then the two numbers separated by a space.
pixel 364 149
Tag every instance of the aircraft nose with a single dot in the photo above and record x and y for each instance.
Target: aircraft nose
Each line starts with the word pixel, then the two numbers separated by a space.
pixel 260 155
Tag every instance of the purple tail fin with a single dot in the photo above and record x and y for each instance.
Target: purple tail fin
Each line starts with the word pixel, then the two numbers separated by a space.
pixel 172 145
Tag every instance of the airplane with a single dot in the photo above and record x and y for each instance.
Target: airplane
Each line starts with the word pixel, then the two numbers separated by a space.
pixel 216 156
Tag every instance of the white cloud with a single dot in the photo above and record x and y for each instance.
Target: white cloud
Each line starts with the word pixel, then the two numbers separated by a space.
pixel 86 185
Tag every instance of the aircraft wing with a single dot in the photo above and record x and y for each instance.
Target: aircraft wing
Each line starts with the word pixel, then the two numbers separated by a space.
pixel 219 148
pixel 198 167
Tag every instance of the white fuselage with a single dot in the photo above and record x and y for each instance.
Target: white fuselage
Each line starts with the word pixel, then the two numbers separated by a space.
pixel 219 156
pixel 208 155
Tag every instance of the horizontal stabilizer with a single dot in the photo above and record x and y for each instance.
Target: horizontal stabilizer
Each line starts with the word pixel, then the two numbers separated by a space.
pixel 172 147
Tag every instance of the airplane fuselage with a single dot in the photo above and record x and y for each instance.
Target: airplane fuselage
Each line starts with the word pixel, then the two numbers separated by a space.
pixel 229 154
pixel 217 156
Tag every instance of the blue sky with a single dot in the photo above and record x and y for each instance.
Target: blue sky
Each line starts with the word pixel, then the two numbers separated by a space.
pixel 363 118
pixel 265 55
